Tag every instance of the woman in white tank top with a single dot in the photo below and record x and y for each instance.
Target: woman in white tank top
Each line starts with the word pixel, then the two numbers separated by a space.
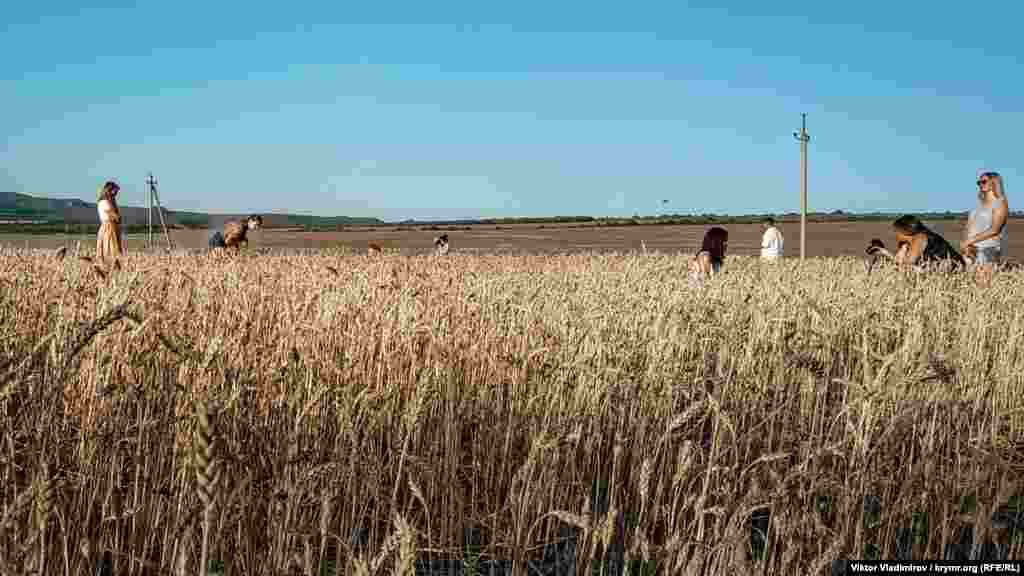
pixel 986 228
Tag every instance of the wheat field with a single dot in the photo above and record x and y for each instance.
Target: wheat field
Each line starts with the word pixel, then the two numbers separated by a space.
pixel 589 413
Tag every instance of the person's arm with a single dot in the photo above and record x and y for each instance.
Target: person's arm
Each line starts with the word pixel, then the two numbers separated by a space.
pixel 903 256
pixel 704 263
pixel 965 239
pixel 693 265
pixel 766 240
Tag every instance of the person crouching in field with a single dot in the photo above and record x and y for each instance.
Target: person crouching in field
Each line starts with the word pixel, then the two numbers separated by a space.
pixel 441 245
pixel 234 235
pixel 771 241
pixel 109 245
pixel 917 246
pixel 708 260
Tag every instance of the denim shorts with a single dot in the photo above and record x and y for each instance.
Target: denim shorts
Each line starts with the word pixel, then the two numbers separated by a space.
pixel 989 255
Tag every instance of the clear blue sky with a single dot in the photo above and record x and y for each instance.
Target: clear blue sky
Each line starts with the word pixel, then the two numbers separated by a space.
pixel 481 109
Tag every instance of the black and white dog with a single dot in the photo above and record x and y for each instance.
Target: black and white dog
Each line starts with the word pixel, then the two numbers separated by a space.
pixel 441 245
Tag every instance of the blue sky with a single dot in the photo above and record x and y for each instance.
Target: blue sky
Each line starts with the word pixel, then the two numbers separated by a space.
pixel 482 109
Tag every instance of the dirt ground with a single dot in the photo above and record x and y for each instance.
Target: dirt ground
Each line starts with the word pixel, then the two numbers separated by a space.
pixel 823 239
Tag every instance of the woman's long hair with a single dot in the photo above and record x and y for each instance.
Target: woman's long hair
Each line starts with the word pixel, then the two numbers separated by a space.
pixel 714 243
pixel 107 192
pixel 909 224
pixel 998 185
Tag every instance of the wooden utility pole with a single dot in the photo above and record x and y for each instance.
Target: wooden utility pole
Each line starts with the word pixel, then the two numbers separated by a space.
pixel 804 138
pixel 150 182
pixel 154 198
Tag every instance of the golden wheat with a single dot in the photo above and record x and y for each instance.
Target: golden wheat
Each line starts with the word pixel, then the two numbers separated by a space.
pixel 409 399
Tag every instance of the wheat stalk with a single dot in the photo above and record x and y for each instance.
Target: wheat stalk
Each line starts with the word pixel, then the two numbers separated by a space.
pixel 202 456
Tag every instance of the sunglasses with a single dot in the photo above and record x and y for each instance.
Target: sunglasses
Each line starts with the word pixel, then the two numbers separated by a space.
pixel 982 182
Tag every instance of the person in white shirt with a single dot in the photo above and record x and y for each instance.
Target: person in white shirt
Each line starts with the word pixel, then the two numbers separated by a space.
pixel 771 241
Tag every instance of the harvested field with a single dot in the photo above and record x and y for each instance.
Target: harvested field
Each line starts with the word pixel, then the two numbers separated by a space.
pixel 823 239
pixel 505 414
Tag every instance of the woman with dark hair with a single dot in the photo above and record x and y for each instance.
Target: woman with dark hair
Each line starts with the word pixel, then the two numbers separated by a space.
pixel 108 239
pixel 708 261
pixel 916 244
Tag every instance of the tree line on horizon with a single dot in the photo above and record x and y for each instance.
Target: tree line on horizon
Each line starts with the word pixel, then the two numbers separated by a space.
pixel 21 213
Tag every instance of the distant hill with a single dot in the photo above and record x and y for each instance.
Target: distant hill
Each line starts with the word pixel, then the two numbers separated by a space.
pixel 15 207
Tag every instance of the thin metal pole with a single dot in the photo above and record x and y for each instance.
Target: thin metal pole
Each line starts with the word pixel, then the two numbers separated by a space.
pixel 149 208
pixel 804 138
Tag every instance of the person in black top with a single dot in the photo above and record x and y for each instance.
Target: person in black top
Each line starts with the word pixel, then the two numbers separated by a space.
pixel 917 245
pixel 708 261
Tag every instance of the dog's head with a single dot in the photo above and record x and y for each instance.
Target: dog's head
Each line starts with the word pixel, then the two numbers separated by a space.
pixel 874 245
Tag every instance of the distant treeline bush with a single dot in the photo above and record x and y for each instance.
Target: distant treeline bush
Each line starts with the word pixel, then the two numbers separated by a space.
pixel 312 223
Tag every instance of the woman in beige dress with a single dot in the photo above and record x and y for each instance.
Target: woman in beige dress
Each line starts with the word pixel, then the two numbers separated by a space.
pixel 108 239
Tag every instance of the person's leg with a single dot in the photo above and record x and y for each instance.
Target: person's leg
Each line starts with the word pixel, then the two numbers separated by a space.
pixel 986 260
pixel 983 275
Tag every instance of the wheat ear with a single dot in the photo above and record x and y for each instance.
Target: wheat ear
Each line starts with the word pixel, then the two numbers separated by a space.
pixel 205 479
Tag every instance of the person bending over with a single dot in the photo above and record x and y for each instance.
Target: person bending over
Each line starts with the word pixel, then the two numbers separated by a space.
pixel 917 245
pixel 235 233
pixel 708 260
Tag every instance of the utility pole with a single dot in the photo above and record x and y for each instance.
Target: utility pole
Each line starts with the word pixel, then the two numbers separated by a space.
pixel 804 138
pixel 150 183
pixel 154 198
